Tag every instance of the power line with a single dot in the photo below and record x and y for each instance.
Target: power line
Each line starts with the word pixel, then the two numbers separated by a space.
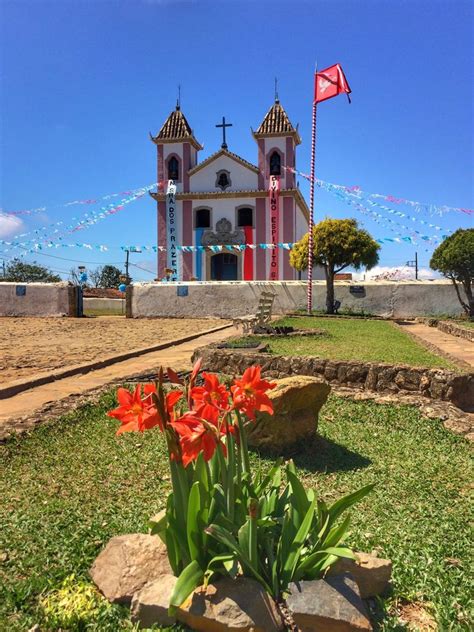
pixel 140 268
pixel 44 254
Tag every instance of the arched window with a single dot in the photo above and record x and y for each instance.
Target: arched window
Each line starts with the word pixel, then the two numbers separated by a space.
pixel 173 168
pixel 202 218
pixel 223 179
pixel 275 164
pixel 244 217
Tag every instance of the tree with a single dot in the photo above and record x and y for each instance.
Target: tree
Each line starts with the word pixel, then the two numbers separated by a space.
pixel 19 271
pixel 454 258
pixel 107 276
pixel 337 244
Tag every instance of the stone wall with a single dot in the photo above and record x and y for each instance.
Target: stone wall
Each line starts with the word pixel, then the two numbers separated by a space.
pixel 456 330
pixel 232 299
pixel 38 299
pixel 438 384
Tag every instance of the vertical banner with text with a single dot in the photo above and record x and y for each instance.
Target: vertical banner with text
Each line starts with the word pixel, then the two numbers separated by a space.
pixel 172 231
pixel 274 193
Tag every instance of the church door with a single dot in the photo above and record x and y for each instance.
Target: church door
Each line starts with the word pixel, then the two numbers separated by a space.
pixel 224 267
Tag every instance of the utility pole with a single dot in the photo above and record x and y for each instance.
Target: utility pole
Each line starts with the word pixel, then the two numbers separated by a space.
pixel 414 264
pixel 127 255
pixel 126 266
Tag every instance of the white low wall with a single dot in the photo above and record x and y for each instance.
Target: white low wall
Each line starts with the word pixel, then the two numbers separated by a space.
pixel 232 299
pixel 37 299
pixel 104 305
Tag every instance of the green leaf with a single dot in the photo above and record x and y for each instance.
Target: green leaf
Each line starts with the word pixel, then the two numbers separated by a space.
pixel 194 529
pixel 297 544
pixel 227 539
pixel 269 478
pixel 345 502
pixel 336 534
pixel 191 577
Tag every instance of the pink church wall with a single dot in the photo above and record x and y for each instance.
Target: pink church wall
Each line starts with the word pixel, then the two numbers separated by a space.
pixel 290 162
pixel 161 168
pixel 186 165
pixel 261 163
pixel 187 239
pixel 161 238
pixel 260 238
pixel 288 235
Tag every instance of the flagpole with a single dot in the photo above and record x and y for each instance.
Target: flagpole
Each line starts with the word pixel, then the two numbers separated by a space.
pixel 309 294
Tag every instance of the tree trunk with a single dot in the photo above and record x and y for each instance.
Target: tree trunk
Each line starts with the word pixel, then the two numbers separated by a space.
pixel 470 298
pixel 467 308
pixel 329 291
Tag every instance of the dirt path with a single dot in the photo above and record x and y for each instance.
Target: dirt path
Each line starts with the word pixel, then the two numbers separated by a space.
pixel 17 413
pixel 457 348
pixel 34 346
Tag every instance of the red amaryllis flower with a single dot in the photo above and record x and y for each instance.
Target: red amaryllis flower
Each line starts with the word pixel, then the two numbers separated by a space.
pixel 249 393
pixel 197 435
pixel 134 412
pixel 213 393
pixel 137 414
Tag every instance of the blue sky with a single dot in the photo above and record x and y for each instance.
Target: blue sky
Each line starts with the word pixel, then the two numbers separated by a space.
pixel 84 82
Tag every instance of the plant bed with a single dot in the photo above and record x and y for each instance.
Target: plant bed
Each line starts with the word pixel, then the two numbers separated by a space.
pixel 437 384
pixel 244 344
pixel 72 485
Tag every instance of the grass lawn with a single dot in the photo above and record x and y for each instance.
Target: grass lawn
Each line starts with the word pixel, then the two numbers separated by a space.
pixel 355 339
pixel 70 486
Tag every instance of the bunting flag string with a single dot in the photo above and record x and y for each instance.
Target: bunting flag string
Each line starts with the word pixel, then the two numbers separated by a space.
pixel 45 234
pixel 216 248
pixel 419 207
pixel 41 209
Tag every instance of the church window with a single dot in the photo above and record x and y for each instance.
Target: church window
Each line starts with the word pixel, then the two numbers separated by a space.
pixel 173 168
pixel 223 179
pixel 202 218
pixel 244 217
pixel 275 164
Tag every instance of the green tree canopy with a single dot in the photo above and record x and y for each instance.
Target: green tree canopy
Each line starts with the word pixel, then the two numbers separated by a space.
pixel 19 271
pixel 106 276
pixel 337 244
pixel 454 258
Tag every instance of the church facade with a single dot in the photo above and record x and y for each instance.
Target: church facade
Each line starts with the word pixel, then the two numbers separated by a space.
pixel 229 219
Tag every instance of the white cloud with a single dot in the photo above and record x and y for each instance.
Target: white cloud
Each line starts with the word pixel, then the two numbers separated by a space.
pixel 394 273
pixel 9 225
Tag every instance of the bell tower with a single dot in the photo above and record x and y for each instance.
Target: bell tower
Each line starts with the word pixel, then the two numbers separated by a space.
pixel 177 153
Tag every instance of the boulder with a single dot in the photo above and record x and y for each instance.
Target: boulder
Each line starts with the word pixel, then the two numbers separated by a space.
pixel 231 605
pixel 127 563
pixel 297 401
pixel 371 573
pixel 150 604
pixel 333 604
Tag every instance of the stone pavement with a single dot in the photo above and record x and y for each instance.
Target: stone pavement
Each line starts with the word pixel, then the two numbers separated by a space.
pixel 23 405
pixel 458 349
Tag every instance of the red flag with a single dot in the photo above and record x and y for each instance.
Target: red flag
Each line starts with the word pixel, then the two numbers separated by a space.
pixel 329 83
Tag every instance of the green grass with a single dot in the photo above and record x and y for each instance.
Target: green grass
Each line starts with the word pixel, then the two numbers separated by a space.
pixel 466 323
pixel 70 486
pixel 355 339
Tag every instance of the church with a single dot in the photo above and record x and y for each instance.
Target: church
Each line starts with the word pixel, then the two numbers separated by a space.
pixel 225 218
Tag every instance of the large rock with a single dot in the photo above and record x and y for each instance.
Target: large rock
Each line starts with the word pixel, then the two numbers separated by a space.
pixel 127 563
pixel 297 401
pixel 231 605
pixel 371 573
pixel 150 604
pixel 333 605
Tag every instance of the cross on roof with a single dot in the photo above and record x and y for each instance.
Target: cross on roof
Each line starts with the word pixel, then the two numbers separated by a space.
pixel 224 125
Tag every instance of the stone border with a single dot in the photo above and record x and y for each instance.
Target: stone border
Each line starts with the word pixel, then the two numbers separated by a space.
pixel 432 347
pixel 432 384
pixel 18 386
pixel 455 330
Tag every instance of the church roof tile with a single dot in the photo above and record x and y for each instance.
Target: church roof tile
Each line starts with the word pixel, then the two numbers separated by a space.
pixel 277 123
pixel 175 129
